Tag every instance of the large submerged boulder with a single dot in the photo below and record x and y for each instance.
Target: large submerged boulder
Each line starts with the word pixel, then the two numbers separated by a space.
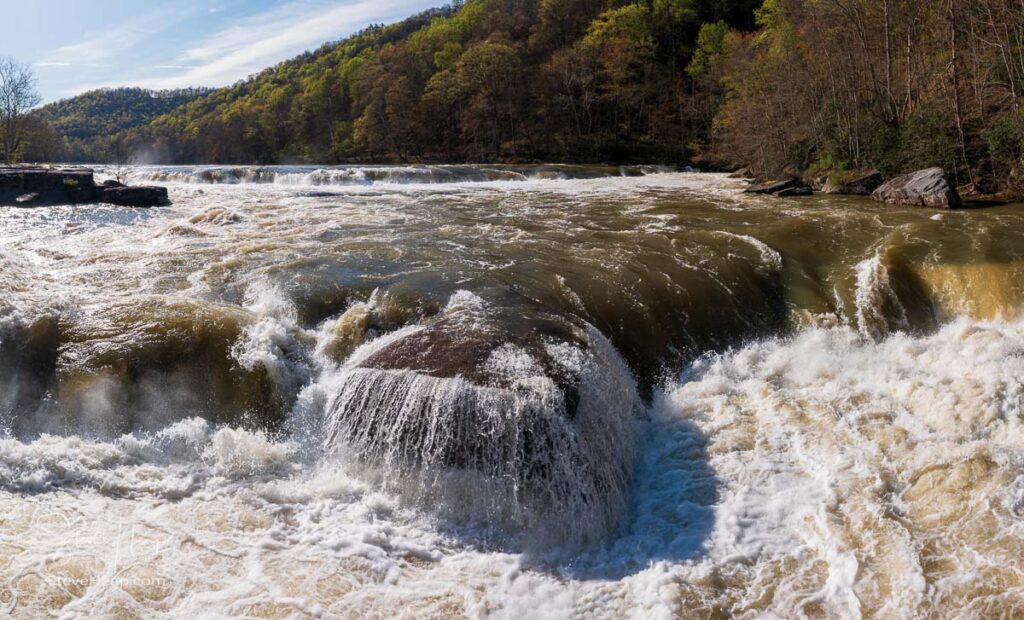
pixel 924 188
pixel 523 424
pixel 30 186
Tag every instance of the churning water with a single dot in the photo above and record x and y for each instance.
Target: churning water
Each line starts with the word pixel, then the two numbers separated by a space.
pixel 509 392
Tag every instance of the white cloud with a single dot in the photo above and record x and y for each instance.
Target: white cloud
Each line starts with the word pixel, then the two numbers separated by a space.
pixel 100 47
pixel 262 40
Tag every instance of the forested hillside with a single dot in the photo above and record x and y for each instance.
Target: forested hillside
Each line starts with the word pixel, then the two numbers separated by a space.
pixel 105 112
pixel 484 80
pixel 827 85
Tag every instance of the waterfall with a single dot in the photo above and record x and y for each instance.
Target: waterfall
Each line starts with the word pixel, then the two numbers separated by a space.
pixel 540 441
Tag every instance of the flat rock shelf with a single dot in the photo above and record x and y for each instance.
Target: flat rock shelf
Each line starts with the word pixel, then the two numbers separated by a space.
pixel 34 186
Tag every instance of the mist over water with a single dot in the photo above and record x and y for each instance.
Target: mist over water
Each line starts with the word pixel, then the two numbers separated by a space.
pixel 509 392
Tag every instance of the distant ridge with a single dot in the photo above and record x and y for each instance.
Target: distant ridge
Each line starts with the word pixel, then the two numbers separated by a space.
pixel 106 111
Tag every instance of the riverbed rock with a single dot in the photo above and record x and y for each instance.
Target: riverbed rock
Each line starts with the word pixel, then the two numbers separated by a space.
pixel 45 183
pixel 924 188
pixel 138 196
pixel 471 413
pixel 856 184
pixel 784 187
pixel 448 349
pixel 803 190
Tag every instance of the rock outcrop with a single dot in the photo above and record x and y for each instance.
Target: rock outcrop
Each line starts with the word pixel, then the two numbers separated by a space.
pixel 31 186
pixel 800 190
pixel 857 184
pixel 141 196
pixel 924 188
pixel 474 414
pixel 783 188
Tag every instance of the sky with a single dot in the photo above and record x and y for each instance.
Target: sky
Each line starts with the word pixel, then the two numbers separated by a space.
pixel 80 45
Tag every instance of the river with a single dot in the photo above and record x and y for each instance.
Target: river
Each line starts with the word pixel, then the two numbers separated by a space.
pixel 509 392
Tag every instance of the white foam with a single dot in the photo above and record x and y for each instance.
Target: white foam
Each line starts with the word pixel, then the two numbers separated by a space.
pixel 275 342
pixel 837 473
pixel 771 260
pixel 879 309
pixel 778 479
pixel 514 455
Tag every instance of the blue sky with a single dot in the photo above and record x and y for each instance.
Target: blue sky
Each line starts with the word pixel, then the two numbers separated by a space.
pixel 78 45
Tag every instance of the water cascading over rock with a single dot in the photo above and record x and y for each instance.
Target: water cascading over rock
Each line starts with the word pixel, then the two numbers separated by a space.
pixel 494 423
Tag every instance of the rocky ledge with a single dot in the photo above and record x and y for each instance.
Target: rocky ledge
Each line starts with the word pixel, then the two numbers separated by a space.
pixel 31 186
pixel 924 188
pixel 783 188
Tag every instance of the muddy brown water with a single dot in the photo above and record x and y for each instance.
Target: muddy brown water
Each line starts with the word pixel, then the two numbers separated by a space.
pixel 708 403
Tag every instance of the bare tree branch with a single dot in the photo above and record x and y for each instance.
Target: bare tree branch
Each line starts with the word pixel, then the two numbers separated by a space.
pixel 18 95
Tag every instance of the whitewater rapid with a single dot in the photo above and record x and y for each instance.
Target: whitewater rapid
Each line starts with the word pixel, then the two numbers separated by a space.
pixel 820 474
pixel 833 428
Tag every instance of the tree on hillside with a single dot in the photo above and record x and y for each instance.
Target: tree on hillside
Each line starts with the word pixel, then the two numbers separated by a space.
pixel 101 113
pixel 18 96
pixel 830 86
pixel 484 80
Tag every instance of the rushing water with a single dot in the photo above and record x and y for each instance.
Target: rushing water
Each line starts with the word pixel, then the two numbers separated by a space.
pixel 509 392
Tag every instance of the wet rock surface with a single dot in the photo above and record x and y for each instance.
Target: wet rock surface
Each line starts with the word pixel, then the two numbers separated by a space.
pixel 447 350
pixel 781 188
pixel 541 427
pixel 142 196
pixel 39 186
pixel 924 188
pixel 857 184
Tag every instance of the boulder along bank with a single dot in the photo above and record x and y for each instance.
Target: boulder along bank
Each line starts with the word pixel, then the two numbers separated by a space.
pixel 931 187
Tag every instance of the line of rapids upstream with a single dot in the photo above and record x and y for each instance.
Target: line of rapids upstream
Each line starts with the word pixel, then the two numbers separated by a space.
pixel 503 391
